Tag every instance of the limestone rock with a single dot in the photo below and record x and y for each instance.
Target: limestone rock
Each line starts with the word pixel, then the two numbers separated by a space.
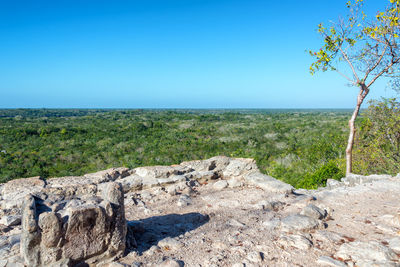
pixel 158 171
pixel 170 263
pixel 255 257
pixel 11 220
pixel 268 183
pixel 298 222
pixel 328 261
pixel 239 167
pixel 355 179
pixel 169 243
pixel 313 212
pixel 83 232
pixel 132 182
pixel 394 244
pixel 184 200
pixel 235 182
pixel 363 253
pixel 220 185
pixel 297 241
pixel 14 191
pixel 215 164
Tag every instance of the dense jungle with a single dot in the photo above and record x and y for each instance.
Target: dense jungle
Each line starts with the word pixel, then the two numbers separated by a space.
pixel 301 147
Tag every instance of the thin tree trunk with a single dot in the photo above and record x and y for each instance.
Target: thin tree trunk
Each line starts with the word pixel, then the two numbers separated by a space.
pixel 349 149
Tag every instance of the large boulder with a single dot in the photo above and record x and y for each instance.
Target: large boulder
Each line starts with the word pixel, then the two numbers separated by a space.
pixel 84 231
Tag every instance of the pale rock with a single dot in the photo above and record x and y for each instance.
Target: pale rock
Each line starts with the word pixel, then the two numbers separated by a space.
pixel 149 182
pixel 217 163
pixel 313 212
pixel 3 241
pixel 332 183
pixel 270 205
pixel 298 222
pixel 272 224
pixel 255 257
pixel 235 223
pixel 146 195
pixel 170 243
pixel 184 200
pixel 152 250
pixel 172 189
pixel 14 191
pixel 88 232
pixel 355 179
pixel 394 244
pixel 170 263
pixel 268 183
pixel 328 261
pixel 296 241
pixel 222 184
pixel 239 166
pixel 11 220
pixel 329 236
pixel 393 220
pixel 235 182
pixel 112 264
pixel 366 252
pixel 219 245
pixel 156 171
pixel 131 183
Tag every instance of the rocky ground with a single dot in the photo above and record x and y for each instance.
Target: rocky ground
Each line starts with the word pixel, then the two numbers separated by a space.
pixel 224 212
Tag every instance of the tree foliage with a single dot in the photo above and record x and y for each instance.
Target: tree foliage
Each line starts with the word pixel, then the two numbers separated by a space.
pixel 378 141
pixel 362 50
pixel 287 144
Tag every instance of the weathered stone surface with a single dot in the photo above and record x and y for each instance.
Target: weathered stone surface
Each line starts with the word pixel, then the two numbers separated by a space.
pixel 235 182
pixel 255 256
pixel 157 171
pixel 11 220
pixel 354 179
pixel 14 191
pixel 184 200
pixel 73 220
pixel 394 244
pixel 169 243
pixel 296 241
pixel 392 220
pixel 239 166
pixel 332 183
pixel 169 263
pixel 220 185
pixel 68 191
pixel 313 212
pixel 328 261
pixel 268 183
pixel 84 231
pixel 215 164
pixel 328 236
pixel 367 253
pixel 298 222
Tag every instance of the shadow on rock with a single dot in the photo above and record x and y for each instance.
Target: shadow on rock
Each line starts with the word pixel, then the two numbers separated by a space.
pixel 148 232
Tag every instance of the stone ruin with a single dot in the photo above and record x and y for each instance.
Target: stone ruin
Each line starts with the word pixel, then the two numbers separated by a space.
pixel 215 212
pixel 57 232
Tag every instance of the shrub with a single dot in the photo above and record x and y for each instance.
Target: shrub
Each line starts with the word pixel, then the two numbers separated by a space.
pixel 320 176
pixel 378 140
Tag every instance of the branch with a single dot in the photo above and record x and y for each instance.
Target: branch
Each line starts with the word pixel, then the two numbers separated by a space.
pixel 383 71
pixel 376 64
pixel 351 65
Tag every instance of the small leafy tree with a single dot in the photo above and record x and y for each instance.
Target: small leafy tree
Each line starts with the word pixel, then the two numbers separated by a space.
pixel 362 50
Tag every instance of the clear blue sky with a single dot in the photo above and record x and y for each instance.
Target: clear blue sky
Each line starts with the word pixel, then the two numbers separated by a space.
pixel 168 54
